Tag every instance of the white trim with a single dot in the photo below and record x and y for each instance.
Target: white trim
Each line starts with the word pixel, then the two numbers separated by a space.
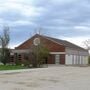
pixel 57 52
pixel 11 53
pixel 20 51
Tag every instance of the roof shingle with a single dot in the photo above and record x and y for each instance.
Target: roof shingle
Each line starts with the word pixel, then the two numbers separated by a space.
pixel 65 43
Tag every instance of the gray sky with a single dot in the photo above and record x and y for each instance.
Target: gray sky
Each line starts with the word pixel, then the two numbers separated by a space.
pixel 64 19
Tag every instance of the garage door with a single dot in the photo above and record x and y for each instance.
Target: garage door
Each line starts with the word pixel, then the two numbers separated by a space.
pixel 76 60
pixel 68 60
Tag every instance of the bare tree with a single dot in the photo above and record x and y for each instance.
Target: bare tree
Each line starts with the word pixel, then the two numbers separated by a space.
pixel 4 42
pixel 87 44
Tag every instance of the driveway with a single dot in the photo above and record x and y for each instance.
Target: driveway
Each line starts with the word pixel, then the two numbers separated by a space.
pixel 51 78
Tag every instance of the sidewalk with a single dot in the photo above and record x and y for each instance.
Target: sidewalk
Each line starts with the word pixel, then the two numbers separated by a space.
pixel 19 71
pixel 14 71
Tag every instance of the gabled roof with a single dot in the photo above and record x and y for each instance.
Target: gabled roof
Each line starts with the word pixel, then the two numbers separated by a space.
pixel 65 43
pixel 58 41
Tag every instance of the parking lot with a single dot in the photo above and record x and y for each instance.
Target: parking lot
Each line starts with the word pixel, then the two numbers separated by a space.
pixel 51 78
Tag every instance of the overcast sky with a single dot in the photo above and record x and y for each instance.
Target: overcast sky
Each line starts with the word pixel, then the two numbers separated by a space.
pixel 64 19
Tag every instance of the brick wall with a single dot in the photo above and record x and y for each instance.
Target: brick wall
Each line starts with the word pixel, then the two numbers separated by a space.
pixel 62 59
pixel 52 47
pixel 51 59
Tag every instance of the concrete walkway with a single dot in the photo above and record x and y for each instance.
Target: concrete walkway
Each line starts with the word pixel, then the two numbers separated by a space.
pixel 21 70
pixel 16 71
pixel 12 71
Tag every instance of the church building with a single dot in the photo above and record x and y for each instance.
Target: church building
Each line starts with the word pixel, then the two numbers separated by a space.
pixel 61 51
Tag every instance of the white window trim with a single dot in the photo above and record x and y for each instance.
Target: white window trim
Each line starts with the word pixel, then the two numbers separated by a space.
pixel 57 52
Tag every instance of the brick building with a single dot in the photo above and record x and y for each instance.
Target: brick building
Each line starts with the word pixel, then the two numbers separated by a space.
pixel 61 51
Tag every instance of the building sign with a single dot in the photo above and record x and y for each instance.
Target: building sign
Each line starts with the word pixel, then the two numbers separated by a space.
pixel 36 41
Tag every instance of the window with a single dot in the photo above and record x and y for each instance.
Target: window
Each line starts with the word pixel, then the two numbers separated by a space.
pixel 19 57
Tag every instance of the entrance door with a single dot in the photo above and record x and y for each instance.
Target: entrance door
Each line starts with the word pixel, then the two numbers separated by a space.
pixel 57 59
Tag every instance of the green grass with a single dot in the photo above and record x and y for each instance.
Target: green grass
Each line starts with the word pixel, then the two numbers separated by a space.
pixel 10 67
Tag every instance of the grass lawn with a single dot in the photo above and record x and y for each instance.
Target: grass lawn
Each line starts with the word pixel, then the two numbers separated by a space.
pixel 10 67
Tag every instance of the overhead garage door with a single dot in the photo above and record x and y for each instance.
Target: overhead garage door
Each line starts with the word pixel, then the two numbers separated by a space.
pixel 76 60
pixel 68 60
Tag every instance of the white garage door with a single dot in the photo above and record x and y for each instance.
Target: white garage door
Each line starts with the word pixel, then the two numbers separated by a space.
pixel 85 60
pixel 80 60
pixel 68 60
pixel 76 60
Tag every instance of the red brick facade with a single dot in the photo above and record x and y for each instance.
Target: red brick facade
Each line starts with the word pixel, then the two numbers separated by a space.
pixel 62 59
pixel 51 45
pixel 51 59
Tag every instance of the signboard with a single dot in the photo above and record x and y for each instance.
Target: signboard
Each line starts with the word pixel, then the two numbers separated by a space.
pixel 36 41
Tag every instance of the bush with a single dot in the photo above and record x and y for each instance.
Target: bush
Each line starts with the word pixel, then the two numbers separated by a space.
pixel 17 62
pixel 5 56
pixel 26 63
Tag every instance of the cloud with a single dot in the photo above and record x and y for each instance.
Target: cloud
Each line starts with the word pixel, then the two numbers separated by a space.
pixel 68 18
pixel 82 28
pixel 22 8
pixel 16 23
pixel 76 40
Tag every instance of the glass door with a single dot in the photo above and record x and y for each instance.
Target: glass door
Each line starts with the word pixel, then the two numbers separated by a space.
pixel 57 59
